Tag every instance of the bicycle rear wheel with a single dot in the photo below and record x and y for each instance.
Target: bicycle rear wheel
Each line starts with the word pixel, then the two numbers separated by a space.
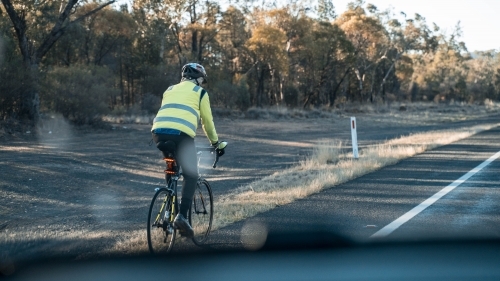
pixel 201 213
pixel 161 232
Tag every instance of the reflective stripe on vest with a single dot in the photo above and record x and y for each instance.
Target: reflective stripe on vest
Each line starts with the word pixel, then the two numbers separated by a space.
pixel 175 120
pixel 181 106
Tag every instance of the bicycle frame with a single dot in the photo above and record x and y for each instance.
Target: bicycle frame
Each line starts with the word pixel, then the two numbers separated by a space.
pixel 163 215
pixel 171 186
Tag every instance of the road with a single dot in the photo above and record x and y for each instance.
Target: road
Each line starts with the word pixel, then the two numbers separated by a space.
pixel 79 193
pixel 363 206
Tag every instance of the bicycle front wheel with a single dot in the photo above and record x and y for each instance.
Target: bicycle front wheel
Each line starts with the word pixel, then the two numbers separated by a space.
pixel 201 213
pixel 161 232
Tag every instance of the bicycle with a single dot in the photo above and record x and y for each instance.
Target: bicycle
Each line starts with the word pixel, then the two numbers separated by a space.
pixel 165 204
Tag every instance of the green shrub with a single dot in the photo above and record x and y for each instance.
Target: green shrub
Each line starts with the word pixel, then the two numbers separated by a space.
pixel 227 95
pixel 159 78
pixel 15 81
pixel 79 93
pixel 14 84
pixel 291 96
pixel 151 103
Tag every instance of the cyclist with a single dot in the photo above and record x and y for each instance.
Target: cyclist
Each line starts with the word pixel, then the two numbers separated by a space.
pixel 182 107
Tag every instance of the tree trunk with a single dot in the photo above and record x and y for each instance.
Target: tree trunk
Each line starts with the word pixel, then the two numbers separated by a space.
pixel 30 100
pixel 308 99
pixel 200 49
pixel 398 56
pixel 194 43
pixel 260 86
pixel 333 94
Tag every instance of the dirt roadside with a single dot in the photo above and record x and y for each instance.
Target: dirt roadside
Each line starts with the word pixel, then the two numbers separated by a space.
pixel 76 193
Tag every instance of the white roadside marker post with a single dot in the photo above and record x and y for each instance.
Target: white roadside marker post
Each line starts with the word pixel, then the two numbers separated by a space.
pixel 354 138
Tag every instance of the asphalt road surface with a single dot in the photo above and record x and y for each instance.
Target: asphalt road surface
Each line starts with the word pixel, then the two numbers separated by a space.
pixel 361 207
pixel 83 192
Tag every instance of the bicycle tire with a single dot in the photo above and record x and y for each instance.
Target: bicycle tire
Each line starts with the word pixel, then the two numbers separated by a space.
pixel 160 230
pixel 201 212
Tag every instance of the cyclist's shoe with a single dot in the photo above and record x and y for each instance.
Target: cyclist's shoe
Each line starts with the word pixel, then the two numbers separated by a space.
pixel 182 224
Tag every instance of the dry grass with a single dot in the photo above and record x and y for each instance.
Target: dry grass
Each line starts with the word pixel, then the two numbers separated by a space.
pixel 330 163
pixel 134 242
pixel 328 166
pixel 404 111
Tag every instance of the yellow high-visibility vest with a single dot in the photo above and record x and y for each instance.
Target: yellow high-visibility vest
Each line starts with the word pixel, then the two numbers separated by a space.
pixel 182 107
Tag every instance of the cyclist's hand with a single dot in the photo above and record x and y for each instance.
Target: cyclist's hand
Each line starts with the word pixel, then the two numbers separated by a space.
pixel 220 147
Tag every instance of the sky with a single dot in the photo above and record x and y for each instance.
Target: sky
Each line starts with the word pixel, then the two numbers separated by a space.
pixel 479 19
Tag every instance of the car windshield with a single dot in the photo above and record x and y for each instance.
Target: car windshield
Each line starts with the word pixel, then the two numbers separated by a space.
pixel 365 121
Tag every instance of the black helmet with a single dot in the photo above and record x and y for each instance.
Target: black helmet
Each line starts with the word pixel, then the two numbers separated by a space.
pixel 194 71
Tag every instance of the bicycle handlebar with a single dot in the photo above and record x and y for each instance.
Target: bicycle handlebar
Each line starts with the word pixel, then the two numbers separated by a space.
pixel 211 149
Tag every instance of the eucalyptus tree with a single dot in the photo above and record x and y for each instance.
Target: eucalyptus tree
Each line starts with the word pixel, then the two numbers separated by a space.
pixel 406 37
pixel 483 76
pixel 441 73
pixel 293 22
pixel 154 19
pixel 369 39
pixel 267 45
pixel 192 24
pixel 38 25
pixel 231 36
pixel 326 11
pixel 497 83
pixel 328 56
pixel 496 79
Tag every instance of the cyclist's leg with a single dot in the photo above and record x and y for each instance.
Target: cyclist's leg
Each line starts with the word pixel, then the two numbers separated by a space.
pixel 188 161
pixel 165 137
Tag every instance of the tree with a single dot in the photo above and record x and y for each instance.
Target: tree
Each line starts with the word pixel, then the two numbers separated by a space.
pixel 193 25
pixel 369 39
pixel 497 84
pixel 411 36
pixel 326 10
pixel 294 24
pixel 21 14
pixel 482 76
pixel 327 56
pixel 438 71
pixel 232 36
pixel 267 45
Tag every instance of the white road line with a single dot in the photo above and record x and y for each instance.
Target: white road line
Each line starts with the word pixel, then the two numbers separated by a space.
pixel 388 229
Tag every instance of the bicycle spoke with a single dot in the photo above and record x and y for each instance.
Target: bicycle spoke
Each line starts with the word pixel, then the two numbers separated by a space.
pixel 161 234
pixel 201 213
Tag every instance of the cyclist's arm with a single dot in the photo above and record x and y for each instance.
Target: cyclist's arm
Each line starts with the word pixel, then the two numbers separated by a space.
pixel 207 119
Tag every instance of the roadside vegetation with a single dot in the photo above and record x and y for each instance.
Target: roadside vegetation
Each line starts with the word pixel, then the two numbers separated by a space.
pixel 329 164
pixel 93 63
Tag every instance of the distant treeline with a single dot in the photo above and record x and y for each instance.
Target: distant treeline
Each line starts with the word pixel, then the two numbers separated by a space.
pixel 87 58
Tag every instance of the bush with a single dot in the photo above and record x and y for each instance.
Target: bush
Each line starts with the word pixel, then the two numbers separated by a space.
pixel 226 94
pixel 291 96
pixel 151 103
pixel 159 78
pixel 79 93
pixel 15 81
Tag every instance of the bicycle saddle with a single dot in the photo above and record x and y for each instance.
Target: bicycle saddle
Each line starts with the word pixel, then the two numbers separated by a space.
pixel 166 146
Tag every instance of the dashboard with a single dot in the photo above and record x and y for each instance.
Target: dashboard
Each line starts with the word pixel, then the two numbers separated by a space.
pixel 280 259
